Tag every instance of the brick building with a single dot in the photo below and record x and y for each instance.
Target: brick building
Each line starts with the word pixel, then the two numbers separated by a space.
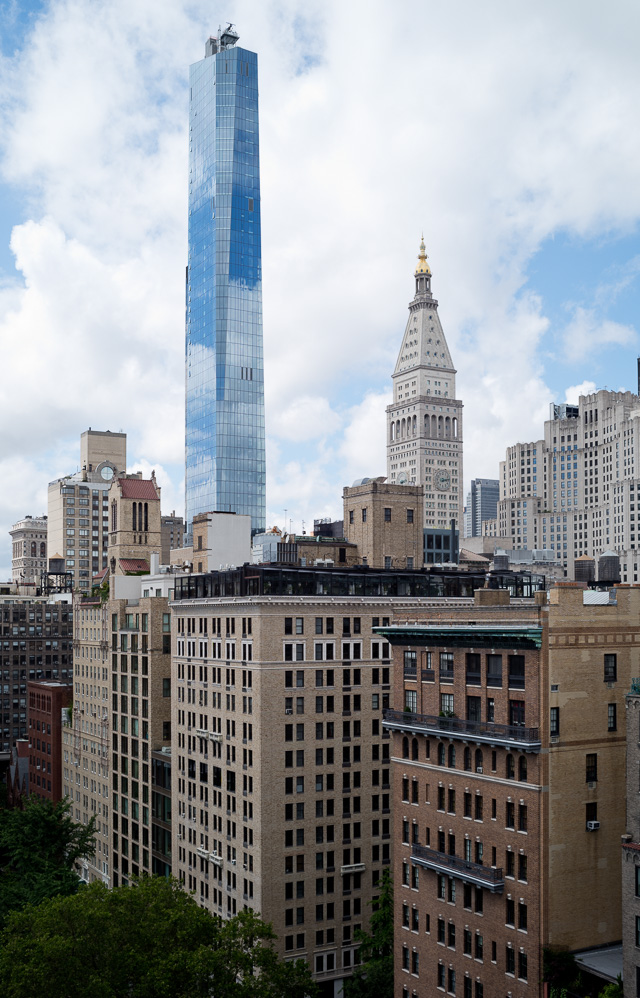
pixel 508 785
pixel 385 522
pixel 47 700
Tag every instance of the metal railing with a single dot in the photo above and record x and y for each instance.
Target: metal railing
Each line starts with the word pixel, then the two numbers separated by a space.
pixel 481 730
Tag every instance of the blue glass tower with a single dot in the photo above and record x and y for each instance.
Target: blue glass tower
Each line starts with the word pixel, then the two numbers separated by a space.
pixel 224 433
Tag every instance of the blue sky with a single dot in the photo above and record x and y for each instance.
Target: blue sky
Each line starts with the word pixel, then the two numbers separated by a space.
pixel 509 137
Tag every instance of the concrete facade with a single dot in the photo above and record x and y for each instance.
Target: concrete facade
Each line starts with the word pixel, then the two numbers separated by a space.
pixel 385 522
pixel 220 540
pixel 424 421
pixel 506 749
pixel 574 492
pixel 29 549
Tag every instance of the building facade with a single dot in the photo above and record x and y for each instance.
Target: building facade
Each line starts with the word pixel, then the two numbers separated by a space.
pixel 224 447
pixel 508 766
pixel 482 504
pixel 424 420
pixel 574 492
pixel 78 520
pixel 631 847
pixel 36 645
pixel 29 549
pixel 172 528
pixel 385 522
pixel 47 705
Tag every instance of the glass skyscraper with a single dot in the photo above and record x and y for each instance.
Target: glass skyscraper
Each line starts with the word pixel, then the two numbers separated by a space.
pixel 224 434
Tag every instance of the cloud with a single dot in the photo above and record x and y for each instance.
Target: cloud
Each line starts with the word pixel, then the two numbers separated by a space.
pixel 587 333
pixel 574 392
pixel 511 126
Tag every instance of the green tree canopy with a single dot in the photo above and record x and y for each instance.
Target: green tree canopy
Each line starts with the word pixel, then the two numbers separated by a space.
pixel 149 940
pixel 39 847
pixel 374 977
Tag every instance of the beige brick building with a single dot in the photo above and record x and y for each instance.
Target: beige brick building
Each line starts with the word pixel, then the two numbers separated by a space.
pixel 508 786
pixel 385 523
pixel 122 689
pixel 281 769
pixel 78 522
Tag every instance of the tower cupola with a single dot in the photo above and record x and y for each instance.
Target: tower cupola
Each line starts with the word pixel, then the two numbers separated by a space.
pixel 423 272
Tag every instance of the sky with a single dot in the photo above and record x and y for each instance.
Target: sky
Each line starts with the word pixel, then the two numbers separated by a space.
pixel 507 133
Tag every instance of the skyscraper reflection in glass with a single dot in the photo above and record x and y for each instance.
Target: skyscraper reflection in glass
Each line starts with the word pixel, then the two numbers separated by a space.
pixel 224 437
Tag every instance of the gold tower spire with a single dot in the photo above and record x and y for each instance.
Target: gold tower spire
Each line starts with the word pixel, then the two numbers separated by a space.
pixel 423 267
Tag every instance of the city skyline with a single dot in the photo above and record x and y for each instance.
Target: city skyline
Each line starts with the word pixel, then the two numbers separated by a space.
pixel 522 178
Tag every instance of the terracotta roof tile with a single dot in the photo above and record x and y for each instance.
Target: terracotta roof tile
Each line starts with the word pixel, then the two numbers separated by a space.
pixel 134 565
pixel 137 488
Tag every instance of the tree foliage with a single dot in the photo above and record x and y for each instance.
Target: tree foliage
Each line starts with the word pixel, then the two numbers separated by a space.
pixel 149 940
pixel 374 976
pixel 39 846
pixel 613 990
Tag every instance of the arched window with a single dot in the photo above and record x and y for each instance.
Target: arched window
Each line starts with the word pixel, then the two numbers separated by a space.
pixel 135 516
pixel 511 769
pixel 33 549
pixel 43 549
pixel 467 758
pixel 427 748
pixel 414 748
pixel 522 769
pixel 479 760
pixel 447 426
pixel 455 426
pixel 415 425
pixel 403 428
pixel 452 757
pixel 114 515
pixel 427 425
pixel 405 748
pixel 146 516
pixel 440 426
pixel 393 431
pixel 440 754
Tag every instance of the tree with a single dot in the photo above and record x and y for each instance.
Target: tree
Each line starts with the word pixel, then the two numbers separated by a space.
pixel 613 990
pixel 148 940
pixel 374 976
pixel 39 846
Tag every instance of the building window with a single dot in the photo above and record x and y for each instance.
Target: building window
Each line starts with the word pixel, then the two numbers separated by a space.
pixel 554 722
pixel 637 930
pixel 591 768
pixel 409 516
pixel 610 668
pixel 364 515
pixel 612 722
pixel 387 514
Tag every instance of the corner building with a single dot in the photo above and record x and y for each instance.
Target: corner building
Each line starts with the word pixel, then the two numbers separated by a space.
pixel 224 377
pixel 508 764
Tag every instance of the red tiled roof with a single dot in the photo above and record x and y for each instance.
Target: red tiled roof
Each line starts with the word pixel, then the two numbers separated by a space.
pixel 134 565
pixel 137 488
pixel 100 575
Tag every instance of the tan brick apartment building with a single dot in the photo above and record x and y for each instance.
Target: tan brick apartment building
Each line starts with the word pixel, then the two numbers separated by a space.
pixel 281 768
pixel 508 785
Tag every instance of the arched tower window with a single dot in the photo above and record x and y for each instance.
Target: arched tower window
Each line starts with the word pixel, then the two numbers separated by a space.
pixel 43 549
pixel 146 516
pixel 134 509
pixel 34 549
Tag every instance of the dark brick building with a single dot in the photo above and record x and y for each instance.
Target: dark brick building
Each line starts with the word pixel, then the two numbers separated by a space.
pixel 46 701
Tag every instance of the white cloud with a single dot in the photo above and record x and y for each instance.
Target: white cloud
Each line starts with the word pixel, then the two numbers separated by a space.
pixel 587 333
pixel 574 392
pixel 510 126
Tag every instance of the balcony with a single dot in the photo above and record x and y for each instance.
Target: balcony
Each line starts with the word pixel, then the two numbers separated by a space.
pixel 474 679
pixel 484 732
pixel 428 676
pixel 410 672
pixel 489 877
pixel 352 868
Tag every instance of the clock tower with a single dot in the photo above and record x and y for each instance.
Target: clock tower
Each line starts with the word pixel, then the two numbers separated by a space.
pixel 424 420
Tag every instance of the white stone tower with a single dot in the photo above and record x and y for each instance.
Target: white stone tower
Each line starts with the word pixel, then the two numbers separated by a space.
pixel 424 421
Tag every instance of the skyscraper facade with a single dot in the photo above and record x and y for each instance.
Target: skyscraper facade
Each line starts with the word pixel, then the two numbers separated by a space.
pixel 482 504
pixel 224 439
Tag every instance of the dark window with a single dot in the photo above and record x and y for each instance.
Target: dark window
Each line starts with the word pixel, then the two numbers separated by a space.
pixel 591 774
pixel 474 708
pixel 387 514
pixel 494 670
pixel 409 516
pixel 554 722
pixel 516 672
pixel 612 721
pixel 610 668
pixel 364 515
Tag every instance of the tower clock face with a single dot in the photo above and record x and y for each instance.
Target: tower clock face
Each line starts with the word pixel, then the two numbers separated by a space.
pixel 442 480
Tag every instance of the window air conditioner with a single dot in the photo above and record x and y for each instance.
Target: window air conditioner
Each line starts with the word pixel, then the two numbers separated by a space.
pixel 593 826
pixel 478 769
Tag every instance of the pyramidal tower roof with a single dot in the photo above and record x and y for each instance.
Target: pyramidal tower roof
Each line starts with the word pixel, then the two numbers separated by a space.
pixel 424 344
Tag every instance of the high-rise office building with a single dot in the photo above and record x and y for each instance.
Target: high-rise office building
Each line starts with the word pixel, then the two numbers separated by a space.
pixel 424 421
pixel 224 438
pixel 482 504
